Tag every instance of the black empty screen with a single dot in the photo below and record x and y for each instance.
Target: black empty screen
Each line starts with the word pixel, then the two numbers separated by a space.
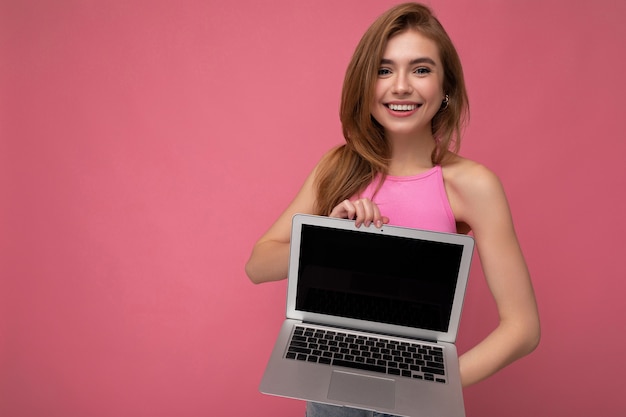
pixel 377 277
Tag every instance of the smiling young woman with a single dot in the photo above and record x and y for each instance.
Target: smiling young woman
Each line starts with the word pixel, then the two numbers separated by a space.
pixel 403 107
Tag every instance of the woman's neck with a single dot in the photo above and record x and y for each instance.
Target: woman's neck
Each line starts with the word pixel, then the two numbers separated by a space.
pixel 410 155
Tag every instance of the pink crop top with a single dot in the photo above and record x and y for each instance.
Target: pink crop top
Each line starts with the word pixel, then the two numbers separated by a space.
pixel 418 201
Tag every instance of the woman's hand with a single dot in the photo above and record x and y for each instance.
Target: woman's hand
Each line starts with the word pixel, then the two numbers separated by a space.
pixel 362 211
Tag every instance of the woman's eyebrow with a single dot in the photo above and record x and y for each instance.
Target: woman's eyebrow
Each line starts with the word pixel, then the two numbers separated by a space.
pixel 423 60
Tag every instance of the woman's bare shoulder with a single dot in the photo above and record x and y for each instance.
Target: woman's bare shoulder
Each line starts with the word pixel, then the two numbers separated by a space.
pixel 469 177
pixel 474 191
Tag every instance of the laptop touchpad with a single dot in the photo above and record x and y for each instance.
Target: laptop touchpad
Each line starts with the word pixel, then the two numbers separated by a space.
pixel 362 389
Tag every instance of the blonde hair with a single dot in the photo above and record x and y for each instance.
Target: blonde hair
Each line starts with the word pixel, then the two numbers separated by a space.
pixel 349 168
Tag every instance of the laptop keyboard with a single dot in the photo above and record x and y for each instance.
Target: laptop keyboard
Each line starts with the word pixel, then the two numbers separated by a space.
pixel 376 354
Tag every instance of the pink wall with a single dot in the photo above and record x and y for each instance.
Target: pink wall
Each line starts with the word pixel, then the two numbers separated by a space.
pixel 145 145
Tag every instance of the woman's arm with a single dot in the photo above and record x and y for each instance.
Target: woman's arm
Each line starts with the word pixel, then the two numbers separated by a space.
pixel 269 260
pixel 478 200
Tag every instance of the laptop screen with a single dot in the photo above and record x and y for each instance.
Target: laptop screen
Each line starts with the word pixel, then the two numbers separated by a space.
pixel 376 277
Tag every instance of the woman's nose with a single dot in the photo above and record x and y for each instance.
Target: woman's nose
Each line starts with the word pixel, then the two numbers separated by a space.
pixel 401 85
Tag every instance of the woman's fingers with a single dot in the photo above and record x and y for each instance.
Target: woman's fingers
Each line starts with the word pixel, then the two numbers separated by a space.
pixel 363 211
pixel 344 210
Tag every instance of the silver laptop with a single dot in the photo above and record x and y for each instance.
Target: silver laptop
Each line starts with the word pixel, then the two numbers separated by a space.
pixel 372 317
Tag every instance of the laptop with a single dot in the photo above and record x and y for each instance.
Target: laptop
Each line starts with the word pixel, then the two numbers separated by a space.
pixel 372 318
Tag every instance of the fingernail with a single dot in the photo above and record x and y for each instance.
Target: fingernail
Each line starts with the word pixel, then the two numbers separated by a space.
pixel 379 223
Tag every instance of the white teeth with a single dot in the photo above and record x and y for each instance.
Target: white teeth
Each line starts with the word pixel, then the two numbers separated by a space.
pixel 402 107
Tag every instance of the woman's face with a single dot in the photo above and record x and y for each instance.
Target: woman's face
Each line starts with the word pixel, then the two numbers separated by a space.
pixel 409 87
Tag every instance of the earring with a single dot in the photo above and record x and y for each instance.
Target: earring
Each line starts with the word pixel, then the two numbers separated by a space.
pixel 444 103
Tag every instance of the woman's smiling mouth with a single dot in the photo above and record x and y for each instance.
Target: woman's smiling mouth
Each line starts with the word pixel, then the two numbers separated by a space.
pixel 402 107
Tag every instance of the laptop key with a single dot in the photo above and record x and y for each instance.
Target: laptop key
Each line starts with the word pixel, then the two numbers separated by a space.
pixel 428 370
pixel 437 365
pixel 298 349
pixel 358 365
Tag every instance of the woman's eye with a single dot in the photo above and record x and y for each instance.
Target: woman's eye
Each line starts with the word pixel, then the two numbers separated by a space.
pixel 422 71
pixel 384 71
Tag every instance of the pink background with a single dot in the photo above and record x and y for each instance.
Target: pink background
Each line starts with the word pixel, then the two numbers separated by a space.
pixel 145 146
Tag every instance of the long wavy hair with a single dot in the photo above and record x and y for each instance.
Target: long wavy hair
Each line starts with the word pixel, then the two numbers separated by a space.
pixel 349 168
